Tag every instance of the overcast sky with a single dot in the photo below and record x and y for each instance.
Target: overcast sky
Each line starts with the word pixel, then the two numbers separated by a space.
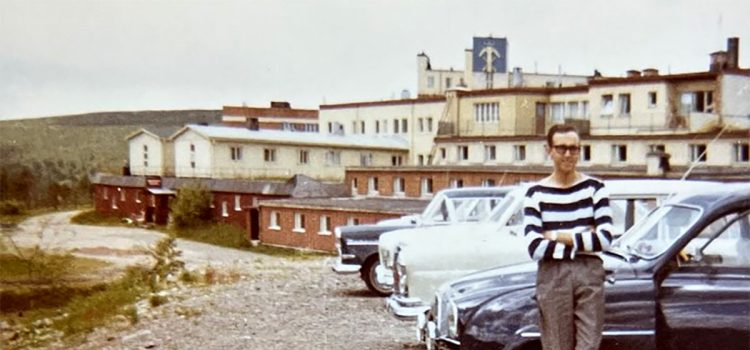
pixel 75 56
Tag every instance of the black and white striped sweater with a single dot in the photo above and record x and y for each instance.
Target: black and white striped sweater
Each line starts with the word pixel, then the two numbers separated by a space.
pixel 582 209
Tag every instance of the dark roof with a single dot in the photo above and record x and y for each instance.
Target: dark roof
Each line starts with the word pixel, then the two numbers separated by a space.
pixel 381 205
pixel 424 99
pixel 160 131
pixel 299 186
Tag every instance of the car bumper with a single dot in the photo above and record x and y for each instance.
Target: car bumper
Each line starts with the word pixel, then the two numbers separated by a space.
pixel 405 307
pixel 345 269
pixel 427 333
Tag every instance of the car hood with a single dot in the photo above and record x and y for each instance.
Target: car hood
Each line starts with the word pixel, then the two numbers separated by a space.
pixel 424 234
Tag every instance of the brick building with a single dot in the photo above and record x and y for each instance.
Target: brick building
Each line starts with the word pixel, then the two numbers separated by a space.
pixel 309 223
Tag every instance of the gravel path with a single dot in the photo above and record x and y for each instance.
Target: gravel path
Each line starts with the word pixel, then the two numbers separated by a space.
pixel 272 303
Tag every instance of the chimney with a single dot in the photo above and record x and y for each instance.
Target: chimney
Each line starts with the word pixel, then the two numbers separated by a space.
pixel 280 104
pixel 718 61
pixel 633 73
pixel 517 77
pixel 733 52
pixel 650 72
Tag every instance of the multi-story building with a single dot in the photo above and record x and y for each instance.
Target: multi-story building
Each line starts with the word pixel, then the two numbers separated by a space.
pixel 150 152
pixel 280 116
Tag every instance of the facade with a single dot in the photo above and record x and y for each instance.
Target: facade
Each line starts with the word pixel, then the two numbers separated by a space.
pixel 234 202
pixel 150 152
pixel 279 116
pixel 230 152
pixel 414 121
pixel 309 223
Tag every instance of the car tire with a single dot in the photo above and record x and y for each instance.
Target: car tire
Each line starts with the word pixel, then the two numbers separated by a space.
pixel 369 275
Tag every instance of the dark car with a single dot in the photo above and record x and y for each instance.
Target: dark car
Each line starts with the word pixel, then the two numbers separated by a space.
pixel 679 279
pixel 357 246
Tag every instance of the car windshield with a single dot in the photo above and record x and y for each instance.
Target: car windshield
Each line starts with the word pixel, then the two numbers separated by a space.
pixel 462 209
pixel 652 236
pixel 513 201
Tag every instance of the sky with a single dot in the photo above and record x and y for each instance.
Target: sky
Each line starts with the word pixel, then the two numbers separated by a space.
pixel 61 57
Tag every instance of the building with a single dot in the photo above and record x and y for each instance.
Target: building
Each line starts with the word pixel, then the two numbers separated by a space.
pixel 150 152
pixel 309 223
pixel 235 202
pixel 279 116
pixel 230 152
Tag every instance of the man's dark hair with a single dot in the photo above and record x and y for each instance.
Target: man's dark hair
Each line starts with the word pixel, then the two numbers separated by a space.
pixel 559 129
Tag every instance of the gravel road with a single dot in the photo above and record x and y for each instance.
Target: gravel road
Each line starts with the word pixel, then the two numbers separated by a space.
pixel 270 302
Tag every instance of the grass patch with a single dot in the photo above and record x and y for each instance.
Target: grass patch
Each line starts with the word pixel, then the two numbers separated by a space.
pixel 14 269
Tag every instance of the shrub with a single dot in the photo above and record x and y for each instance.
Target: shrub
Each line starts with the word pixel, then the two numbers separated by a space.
pixel 11 207
pixel 192 207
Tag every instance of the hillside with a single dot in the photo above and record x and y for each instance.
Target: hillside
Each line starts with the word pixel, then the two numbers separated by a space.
pixel 90 141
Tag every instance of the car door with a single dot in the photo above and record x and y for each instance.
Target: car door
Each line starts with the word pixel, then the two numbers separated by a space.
pixel 704 301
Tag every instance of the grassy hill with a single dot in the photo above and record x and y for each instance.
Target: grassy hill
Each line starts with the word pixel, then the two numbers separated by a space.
pixel 90 141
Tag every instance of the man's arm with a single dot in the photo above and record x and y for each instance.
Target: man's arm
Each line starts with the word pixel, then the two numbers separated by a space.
pixel 600 237
pixel 541 244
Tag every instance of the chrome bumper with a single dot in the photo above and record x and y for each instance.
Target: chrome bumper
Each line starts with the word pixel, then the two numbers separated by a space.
pixel 345 269
pixel 405 307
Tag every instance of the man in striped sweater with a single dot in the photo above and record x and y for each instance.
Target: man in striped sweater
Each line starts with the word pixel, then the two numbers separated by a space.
pixel 567 220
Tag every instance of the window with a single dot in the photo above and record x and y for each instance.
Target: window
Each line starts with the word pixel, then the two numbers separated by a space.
pixel 463 153
pixel 448 82
pixel 395 126
pixel 114 203
pixel 652 99
pixel 398 185
pixel 352 221
pixel 377 126
pixel 152 200
pixel 429 124
pixel 443 153
pixel 619 153
pixel 489 153
pixel 486 112
pixel 624 105
pixel 573 110
pixel 607 107
pixel 697 101
pixel 519 153
pixel 330 127
pixel 224 209
pixel 420 159
pixel 192 164
pixel 354 127
pixel 488 183
pixel 385 126
pixel 656 147
pixel 404 125
pixel 122 194
pixel 236 153
pixel 585 153
pixel 274 220
pixel 420 124
pixel 355 185
pixel 698 153
pixel 325 225
pixel 457 183
pixel 372 185
pixel 723 243
pixel 192 147
pixel 558 112
pixel 365 159
pixel 269 155
pixel 304 156
pixel 426 186
pixel 299 222
pixel 333 158
pixel 362 127
pixel 430 82
pixel 585 109
pixel 105 193
pixel 741 152
pixel 137 196
pixel 397 160
pixel 237 203
pixel 145 155
pixel 211 201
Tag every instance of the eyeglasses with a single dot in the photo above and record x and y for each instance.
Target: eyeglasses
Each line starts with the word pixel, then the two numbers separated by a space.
pixel 561 149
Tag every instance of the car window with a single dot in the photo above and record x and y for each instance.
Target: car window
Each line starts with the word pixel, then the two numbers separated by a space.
pixel 724 242
pixel 651 236
pixel 628 211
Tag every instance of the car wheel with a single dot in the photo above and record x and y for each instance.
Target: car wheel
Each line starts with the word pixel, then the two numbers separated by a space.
pixel 370 276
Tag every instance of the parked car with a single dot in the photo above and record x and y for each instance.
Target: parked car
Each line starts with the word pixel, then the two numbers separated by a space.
pixel 424 258
pixel 357 246
pixel 678 279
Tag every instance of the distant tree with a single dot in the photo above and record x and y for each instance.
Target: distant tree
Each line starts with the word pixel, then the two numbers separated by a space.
pixel 192 207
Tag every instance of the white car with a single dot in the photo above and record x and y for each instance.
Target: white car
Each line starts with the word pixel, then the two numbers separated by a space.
pixel 422 259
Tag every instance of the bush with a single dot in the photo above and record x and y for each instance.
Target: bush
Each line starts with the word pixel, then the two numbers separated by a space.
pixel 11 207
pixel 192 207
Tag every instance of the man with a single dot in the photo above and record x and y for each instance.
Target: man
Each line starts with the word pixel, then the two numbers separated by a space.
pixel 567 219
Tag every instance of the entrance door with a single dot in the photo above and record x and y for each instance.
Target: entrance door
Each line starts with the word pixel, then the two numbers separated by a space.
pixel 254 224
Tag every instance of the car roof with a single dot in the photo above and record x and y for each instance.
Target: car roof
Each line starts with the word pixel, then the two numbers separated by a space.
pixel 475 191
pixel 713 196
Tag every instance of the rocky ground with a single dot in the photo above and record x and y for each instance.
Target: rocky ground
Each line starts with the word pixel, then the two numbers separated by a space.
pixel 260 302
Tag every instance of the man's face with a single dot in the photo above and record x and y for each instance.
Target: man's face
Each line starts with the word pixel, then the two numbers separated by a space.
pixel 564 151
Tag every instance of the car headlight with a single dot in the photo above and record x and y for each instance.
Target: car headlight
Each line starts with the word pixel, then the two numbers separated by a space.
pixel 451 317
pixel 385 258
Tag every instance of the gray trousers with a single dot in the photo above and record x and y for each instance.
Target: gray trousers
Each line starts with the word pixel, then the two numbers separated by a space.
pixel 570 296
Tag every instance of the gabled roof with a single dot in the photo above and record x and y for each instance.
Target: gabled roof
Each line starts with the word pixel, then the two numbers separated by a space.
pixel 159 132
pixel 234 134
